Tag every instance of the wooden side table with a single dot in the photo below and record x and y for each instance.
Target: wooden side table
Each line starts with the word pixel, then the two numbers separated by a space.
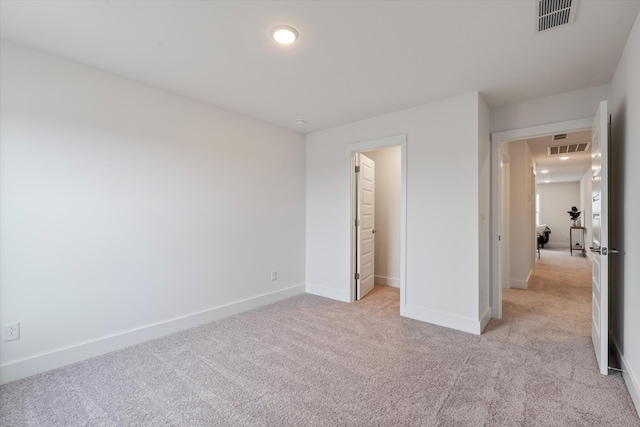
pixel 579 246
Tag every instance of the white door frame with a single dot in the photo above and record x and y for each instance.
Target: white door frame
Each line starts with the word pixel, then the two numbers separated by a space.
pixel 504 220
pixel 497 139
pixel 370 145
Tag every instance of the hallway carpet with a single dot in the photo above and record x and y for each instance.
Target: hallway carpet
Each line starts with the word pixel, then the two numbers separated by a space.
pixel 313 361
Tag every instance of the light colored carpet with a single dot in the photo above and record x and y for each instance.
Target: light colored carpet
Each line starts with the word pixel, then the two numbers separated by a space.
pixel 314 361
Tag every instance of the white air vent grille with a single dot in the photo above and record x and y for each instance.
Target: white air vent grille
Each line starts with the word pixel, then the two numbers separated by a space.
pixel 570 148
pixel 554 13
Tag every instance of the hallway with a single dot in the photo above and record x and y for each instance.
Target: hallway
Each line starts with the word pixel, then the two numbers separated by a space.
pixel 558 301
pixel 553 369
pixel 536 365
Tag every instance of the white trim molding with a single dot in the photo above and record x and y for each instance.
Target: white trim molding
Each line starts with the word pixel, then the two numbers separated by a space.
pixel 630 378
pixel 521 284
pixel 14 371
pixel 374 144
pixel 387 281
pixel 458 323
pixel 497 139
pixel 556 245
pixel 331 293
pixel 518 284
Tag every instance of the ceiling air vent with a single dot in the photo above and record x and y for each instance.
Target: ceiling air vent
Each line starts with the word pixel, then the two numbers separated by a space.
pixel 559 136
pixel 554 13
pixel 571 148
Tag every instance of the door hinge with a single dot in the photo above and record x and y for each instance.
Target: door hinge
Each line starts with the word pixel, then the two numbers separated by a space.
pixel 357 169
pixel 357 223
pixel 357 276
pixel 499 238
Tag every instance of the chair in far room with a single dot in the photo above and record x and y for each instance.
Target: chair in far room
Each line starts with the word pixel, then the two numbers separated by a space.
pixel 543 232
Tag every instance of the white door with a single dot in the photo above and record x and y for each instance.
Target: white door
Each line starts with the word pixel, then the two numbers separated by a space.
pixel 600 233
pixel 365 227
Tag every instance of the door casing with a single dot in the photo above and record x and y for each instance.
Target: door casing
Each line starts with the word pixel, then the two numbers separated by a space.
pixel 370 145
pixel 497 140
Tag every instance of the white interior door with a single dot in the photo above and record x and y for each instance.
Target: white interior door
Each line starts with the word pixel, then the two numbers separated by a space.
pixel 365 258
pixel 600 237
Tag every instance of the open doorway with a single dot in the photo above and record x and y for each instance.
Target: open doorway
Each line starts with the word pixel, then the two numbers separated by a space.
pixel 502 153
pixel 563 164
pixel 377 200
pixel 544 178
pixel 597 289
pixel 377 204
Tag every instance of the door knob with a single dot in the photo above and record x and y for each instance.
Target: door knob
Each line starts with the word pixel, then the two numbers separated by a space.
pixel 604 251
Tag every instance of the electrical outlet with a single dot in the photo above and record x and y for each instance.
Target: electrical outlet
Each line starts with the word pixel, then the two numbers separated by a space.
pixel 274 276
pixel 11 331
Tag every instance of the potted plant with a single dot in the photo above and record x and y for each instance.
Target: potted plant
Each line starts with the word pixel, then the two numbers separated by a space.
pixel 574 213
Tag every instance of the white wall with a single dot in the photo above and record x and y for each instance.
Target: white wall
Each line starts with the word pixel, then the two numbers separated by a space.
pixel 567 106
pixel 484 208
pixel 388 185
pixel 586 208
pixel 556 199
pixel 522 241
pixel 442 201
pixel 127 212
pixel 625 109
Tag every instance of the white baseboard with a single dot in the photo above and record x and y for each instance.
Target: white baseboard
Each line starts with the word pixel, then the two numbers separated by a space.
pixel 518 284
pixel 443 319
pixel 331 293
pixel 630 378
pixel 521 284
pixel 556 245
pixel 387 281
pixel 56 359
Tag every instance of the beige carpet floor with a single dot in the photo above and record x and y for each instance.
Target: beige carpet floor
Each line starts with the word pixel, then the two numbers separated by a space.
pixel 314 361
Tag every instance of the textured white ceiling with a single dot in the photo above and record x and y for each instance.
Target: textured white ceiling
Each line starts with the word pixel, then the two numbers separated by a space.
pixel 354 59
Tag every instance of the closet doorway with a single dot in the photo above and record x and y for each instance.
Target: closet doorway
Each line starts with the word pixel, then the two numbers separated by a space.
pixel 378 205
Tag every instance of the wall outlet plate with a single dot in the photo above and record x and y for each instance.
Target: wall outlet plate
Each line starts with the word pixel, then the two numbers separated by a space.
pixel 274 275
pixel 11 331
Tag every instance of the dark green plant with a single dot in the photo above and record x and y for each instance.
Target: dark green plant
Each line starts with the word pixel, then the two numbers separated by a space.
pixel 574 213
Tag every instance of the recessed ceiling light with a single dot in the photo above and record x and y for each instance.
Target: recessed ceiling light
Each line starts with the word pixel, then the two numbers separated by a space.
pixel 284 34
pixel 547 181
pixel 564 158
pixel 300 122
pixel 544 171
